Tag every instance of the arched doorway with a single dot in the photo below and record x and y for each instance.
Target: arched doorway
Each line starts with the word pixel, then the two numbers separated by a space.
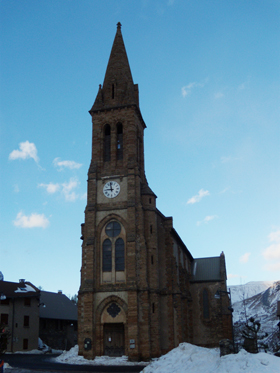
pixel 114 339
pixel 113 320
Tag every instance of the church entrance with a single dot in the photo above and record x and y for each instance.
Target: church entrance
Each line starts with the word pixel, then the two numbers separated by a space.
pixel 114 339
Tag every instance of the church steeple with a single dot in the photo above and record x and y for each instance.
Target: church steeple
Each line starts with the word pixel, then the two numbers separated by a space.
pixel 118 88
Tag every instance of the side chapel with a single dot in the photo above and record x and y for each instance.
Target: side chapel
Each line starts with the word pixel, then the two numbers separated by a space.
pixel 142 292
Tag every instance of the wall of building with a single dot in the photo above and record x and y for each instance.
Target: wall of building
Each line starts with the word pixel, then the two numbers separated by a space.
pixel 58 334
pixel 23 322
pixel 209 327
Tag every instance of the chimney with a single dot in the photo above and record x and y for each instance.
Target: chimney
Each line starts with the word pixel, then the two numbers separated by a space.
pixel 21 280
pixel 59 291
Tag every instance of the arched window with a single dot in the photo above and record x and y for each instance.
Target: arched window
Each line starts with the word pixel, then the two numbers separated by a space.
pixel 119 141
pixel 205 300
pixel 107 143
pixel 113 248
pixel 107 256
pixel 113 229
pixel 119 255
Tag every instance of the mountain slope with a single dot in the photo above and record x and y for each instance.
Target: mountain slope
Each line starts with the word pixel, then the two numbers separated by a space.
pixel 261 306
pixel 241 292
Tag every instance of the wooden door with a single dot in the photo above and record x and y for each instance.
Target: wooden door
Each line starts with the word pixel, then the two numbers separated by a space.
pixel 114 339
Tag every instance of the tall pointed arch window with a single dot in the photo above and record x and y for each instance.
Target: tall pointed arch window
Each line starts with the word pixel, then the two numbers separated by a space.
pixel 119 254
pixel 119 141
pixel 113 252
pixel 107 256
pixel 107 143
pixel 205 301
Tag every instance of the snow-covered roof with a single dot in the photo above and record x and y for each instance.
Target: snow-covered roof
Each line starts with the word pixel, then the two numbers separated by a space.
pixel 57 306
pixel 18 289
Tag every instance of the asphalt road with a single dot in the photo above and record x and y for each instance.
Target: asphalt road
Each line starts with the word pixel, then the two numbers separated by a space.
pixel 28 363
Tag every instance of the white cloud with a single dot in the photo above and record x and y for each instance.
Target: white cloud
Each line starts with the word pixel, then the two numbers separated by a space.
pixel 274 236
pixel 207 219
pixel 224 190
pixel 273 267
pixel 187 89
pixel 218 95
pixel 27 150
pixel 84 196
pixel 229 159
pixel 231 275
pixel 202 193
pixel 66 164
pixel 32 221
pixel 67 190
pixel 244 258
pixel 272 252
pixel 16 188
pixel 51 187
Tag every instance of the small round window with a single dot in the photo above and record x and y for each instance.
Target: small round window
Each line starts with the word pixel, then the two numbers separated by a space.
pixel 113 229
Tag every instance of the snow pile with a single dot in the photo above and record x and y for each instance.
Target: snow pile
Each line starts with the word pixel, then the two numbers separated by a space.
pixel 190 358
pixel 72 357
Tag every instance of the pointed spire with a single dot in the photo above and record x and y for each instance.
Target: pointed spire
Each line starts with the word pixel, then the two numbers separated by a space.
pixel 118 87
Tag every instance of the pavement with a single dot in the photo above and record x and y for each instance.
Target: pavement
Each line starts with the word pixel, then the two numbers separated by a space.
pixel 32 363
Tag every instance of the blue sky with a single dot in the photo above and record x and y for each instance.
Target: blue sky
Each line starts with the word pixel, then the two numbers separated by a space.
pixel 208 75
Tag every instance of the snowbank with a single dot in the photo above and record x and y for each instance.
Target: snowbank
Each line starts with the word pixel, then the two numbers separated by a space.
pixel 72 357
pixel 189 358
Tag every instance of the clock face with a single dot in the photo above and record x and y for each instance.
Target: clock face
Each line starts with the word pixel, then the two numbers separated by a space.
pixel 111 189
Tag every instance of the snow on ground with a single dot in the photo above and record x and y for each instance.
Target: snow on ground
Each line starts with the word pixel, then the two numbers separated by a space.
pixel 72 357
pixel 189 358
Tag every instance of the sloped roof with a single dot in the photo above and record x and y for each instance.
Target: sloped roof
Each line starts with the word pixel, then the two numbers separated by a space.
pixel 206 269
pixel 146 190
pixel 183 246
pixel 118 74
pixel 57 306
pixel 18 289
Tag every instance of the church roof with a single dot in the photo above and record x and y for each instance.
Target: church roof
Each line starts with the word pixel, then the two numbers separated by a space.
pixel 118 88
pixel 206 269
pixel 146 190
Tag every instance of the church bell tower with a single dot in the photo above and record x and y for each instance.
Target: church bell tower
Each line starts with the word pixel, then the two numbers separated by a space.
pixel 142 293
pixel 114 301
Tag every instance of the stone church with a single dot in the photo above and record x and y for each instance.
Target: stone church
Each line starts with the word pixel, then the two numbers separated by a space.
pixel 142 292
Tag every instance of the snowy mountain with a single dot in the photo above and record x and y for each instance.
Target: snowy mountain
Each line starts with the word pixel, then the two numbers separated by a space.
pixel 240 292
pixel 262 306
